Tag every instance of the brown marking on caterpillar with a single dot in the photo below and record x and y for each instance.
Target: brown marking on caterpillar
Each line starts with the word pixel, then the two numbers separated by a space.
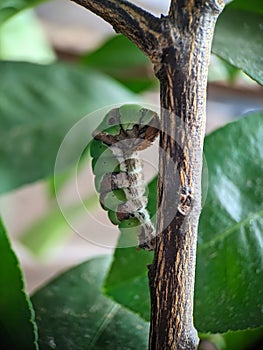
pixel 109 140
pixel 141 136
pixel 124 147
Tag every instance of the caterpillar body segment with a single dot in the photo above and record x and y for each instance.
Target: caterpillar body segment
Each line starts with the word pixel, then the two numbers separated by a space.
pixel 117 167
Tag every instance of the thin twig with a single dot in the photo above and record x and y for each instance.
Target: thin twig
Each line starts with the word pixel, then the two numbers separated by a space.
pixel 138 25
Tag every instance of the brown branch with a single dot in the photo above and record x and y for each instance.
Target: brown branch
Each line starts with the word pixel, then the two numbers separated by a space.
pixel 182 11
pixel 135 23
pixel 179 46
pixel 183 79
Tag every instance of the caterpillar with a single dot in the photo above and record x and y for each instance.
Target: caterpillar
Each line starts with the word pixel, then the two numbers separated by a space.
pixel 116 142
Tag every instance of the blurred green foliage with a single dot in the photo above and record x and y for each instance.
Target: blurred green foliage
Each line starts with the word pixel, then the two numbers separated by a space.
pixel 40 101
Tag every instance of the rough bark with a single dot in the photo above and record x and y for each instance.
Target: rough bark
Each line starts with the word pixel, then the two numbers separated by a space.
pixel 179 47
pixel 183 77
pixel 140 26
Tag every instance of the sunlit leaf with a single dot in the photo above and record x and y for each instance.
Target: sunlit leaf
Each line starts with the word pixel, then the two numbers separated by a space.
pixel 9 8
pixel 238 37
pixel 22 39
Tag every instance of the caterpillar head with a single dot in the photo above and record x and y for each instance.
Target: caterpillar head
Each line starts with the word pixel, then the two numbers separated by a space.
pixel 130 115
pixel 135 115
pixel 129 122
pixel 110 124
pixel 125 118
pixel 118 169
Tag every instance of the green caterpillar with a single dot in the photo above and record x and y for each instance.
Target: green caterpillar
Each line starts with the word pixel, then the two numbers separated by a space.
pixel 118 170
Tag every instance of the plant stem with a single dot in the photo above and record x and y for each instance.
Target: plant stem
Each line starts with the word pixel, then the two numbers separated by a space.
pixel 140 26
pixel 179 47
pixel 183 79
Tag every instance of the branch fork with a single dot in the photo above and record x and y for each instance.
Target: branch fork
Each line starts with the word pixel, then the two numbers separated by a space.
pixel 179 46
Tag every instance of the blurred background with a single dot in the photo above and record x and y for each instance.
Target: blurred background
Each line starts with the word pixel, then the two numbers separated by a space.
pixel 61 30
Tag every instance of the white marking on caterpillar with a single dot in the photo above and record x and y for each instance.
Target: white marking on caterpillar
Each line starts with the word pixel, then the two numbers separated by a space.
pixel 125 137
pixel 136 201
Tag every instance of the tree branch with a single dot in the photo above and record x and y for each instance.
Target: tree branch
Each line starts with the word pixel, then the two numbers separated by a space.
pixel 182 11
pixel 135 23
pixel 183 79
pixel 179 46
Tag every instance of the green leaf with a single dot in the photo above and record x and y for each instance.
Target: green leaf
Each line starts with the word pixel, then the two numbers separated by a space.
pixel 252 5
pixel 38 105
pixel 229 263
pixel 122 60
pixel 9 8
pixel 18 329
pixel 73 314
pixel 229 260
pixel 244 339
pixel 241 340
pixel 22 39
pixel 238 37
